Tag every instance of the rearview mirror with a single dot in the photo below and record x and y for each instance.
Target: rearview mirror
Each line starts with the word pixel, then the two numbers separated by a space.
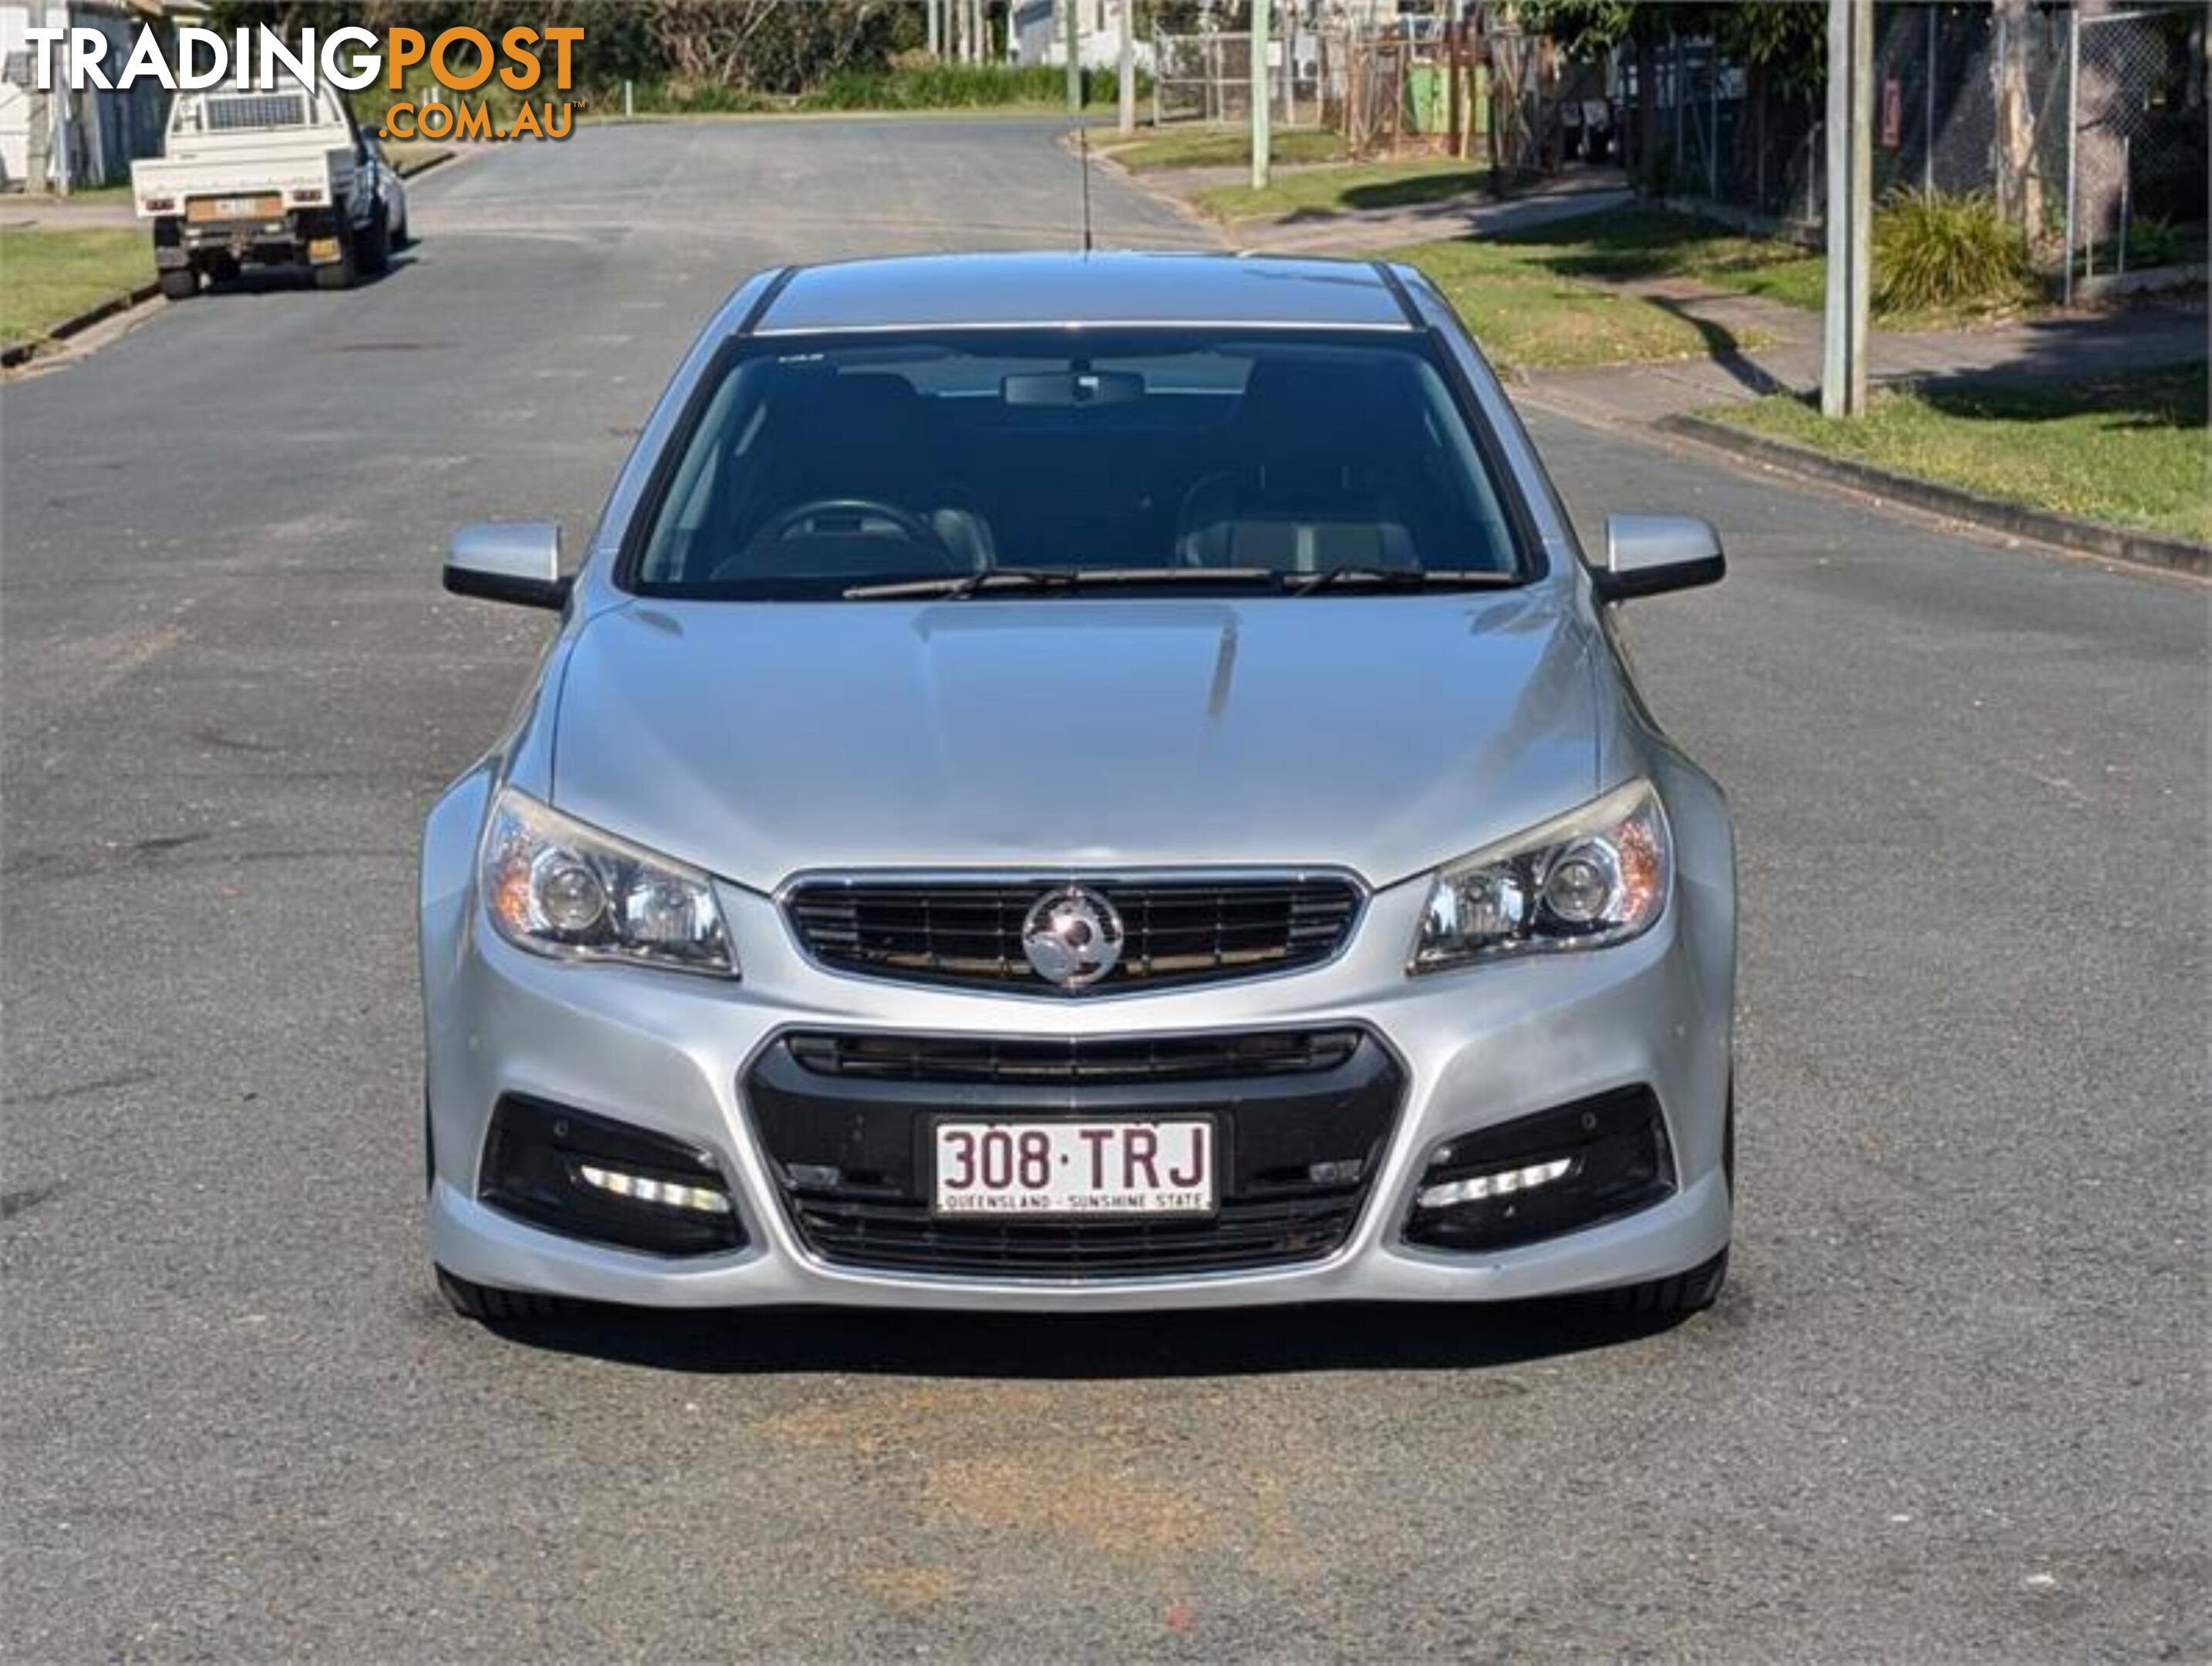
pixel 1062 388
pixel 508 561
pixel 1650 554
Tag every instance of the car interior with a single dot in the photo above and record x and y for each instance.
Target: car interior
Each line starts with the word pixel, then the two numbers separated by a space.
pixel 860 464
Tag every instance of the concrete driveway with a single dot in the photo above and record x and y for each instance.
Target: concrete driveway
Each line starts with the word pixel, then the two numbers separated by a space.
pixel 1952 1405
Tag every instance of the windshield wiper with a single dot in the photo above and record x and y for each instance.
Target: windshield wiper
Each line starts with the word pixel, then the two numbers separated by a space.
pixel 1056 578
pixel 1397 578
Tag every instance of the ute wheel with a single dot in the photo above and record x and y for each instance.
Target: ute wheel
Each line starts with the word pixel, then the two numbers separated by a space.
pixel 339 274
pixel 489 1306
pixel 374 243
pixel 180 283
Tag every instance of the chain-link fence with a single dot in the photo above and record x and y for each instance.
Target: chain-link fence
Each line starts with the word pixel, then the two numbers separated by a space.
pixel 2137 174
pixel 1389 90
pixel 1208 78
pixel 2087 127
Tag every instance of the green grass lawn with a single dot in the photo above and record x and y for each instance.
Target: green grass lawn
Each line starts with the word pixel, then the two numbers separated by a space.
pixel 1641 243
pixel 2131 449
pixel 1345 190
pixel 1533 300
pixel 412 155
pixel 47 277
pixel 1225 147
pixel 84 197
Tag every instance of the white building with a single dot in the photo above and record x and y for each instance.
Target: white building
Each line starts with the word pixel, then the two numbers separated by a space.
pixel 1041 33
pixel 93 134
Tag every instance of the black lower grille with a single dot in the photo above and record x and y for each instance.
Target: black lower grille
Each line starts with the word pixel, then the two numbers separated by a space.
pixel 1115 1058
pixel 1175 931
pixel 1302 1119
pixel 906 1237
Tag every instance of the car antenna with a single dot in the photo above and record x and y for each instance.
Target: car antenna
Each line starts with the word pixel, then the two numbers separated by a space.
pixel 1083 153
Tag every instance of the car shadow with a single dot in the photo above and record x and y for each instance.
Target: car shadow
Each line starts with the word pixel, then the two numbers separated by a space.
pixel 1256 1341
pixel 275 280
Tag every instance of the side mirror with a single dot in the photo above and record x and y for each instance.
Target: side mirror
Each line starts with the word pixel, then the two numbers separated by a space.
pixel 1650 554
pixel 508 561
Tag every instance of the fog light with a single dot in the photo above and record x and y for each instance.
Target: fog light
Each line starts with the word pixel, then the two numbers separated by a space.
pixel 642 1190
pixel 1536 1176
pixel 592 1177
pixel 1503 1183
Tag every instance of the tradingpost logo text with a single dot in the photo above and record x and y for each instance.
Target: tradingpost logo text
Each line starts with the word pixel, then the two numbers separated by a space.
pixel 459 61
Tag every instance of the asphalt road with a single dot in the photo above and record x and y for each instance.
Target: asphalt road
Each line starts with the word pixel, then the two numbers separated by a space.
pixel 1954 1404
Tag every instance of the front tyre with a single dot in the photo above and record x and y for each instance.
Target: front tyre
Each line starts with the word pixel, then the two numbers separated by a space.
pixel 339 274
pixel 1689 1292
pixel 489 1305
pixel 180 282
pixel 1677 1298
pixel 374 242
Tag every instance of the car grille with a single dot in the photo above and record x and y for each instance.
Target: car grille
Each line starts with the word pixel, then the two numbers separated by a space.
pixel 1304 1116
pixel 907 1238
pixel 1150 1058
pixel 1177 932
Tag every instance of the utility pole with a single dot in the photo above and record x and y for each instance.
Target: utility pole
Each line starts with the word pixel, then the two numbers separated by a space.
pixel 37 109
pixel 1074 58
pixel 1128 66
pixel 1850 210
pixel 936 30
pixel 1261 89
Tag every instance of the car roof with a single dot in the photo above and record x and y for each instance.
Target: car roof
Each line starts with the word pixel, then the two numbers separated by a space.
pixel 1013 290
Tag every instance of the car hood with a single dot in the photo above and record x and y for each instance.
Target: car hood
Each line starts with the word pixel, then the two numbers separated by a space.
pixel 1384 734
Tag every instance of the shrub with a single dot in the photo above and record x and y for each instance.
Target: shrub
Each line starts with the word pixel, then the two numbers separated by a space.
pixel 954 87
pixel 2153 240
pixel 1932 251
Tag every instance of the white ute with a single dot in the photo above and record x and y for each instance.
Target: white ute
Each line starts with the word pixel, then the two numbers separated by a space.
pixel 275 177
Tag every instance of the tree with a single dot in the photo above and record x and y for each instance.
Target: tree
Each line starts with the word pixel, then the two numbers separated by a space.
pixel 1786 37
pixel 1784 43
pixel 2012 142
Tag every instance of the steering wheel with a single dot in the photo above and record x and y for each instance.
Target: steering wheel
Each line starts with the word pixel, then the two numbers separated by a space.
pixel 910 526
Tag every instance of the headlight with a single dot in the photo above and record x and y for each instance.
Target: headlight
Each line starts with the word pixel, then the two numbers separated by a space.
pixel 1594 876
pixel 556 887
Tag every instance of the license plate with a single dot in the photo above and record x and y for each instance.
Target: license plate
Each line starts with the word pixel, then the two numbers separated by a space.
pixel 1165 1168
pixel 233 208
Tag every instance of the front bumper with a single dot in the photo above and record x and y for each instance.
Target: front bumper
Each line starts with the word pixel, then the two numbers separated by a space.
pixel 670 1053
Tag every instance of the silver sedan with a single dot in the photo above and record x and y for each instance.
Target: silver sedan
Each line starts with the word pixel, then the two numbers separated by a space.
pixel 1080 783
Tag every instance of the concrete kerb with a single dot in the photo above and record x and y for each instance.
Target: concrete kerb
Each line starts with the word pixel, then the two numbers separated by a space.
pixel 2142 549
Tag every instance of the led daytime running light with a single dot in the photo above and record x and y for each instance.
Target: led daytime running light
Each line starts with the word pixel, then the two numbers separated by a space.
pixel 1505 1183
pixel 640 1189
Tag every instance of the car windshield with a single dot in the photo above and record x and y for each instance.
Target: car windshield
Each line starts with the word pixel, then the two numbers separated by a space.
pixel 979 460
